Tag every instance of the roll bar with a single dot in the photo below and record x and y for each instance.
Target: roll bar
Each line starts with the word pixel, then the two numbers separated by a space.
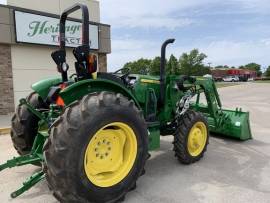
pixel 85 24
pixel 81 53
pixel 163 71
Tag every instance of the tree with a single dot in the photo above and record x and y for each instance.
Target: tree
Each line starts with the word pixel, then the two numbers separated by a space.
pixel 219 67
pixel 255 67
pixel 267 72
pixel 192 63
pixel 188 64
pixel 172 66
pixel 141 66
pixel 155 66
pixel 241 67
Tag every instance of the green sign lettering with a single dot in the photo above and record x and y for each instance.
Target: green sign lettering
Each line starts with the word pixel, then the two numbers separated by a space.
pixel 39 28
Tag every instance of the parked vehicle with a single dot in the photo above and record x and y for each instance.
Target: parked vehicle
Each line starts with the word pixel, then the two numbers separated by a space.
pixel 231 79
pixel 208 76
pixel 218 79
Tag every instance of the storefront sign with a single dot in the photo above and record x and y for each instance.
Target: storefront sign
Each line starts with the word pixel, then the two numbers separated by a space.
pixel 38 29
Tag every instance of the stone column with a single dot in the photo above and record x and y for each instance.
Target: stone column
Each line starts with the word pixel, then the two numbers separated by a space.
pixel 102 62
pixel 6 81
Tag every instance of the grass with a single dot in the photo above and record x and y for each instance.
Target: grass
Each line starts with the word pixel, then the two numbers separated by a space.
pixel 226 84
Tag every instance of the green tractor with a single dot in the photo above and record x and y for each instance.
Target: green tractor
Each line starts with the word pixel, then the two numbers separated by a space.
pixel 92 132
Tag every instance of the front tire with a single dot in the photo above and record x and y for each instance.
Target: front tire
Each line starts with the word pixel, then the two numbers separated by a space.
pixel 24 125
pixel 96 150
pixel 191 137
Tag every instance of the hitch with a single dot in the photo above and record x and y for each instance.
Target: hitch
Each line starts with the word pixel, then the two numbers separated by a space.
pixel 20 161
pixel 29 183
pixel 34 157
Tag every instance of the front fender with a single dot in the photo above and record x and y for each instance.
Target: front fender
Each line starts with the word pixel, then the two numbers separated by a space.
pixel 42 87
pixel 79 89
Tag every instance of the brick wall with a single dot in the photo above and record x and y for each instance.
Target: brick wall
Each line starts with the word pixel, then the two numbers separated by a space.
pixel 6 81
pixel 102 62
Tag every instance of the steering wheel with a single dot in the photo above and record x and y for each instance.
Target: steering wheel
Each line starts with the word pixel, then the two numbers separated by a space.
pixel 121 69
pixel 124 77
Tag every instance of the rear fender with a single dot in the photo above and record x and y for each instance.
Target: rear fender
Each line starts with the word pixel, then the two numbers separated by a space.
pixel 42 87
pixel 79 89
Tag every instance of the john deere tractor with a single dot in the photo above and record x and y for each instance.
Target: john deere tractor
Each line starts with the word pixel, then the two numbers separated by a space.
pixel 92 132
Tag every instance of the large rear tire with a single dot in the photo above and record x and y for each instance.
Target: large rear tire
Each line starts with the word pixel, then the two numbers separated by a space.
pixel 24 125
pixel 191 137
pixel 96 150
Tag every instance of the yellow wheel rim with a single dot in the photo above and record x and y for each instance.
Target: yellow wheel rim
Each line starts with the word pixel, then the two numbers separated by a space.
pixel 110 154
pixel 197 139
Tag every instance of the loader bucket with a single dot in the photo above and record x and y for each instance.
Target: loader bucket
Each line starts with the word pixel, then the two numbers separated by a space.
pixel 230 123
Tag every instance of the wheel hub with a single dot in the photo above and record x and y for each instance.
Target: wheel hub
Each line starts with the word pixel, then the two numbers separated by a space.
pixel 197 139
pixel 110 154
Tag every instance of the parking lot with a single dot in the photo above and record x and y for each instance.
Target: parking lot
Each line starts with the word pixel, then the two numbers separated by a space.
pixel 231 171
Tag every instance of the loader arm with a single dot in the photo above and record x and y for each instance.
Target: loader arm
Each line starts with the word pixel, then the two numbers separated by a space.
pixel 229 123
pixel 214 105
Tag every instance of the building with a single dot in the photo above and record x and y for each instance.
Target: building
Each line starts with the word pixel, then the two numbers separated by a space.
pixel 242 73
pixel 29 33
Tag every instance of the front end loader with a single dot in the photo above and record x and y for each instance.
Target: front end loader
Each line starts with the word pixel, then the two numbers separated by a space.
pixel 92 132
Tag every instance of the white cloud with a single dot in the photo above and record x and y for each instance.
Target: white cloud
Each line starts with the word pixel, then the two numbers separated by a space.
pixel 122 8
pixel 255 6
pixel 175 14
pixel 151 13
pixel 238 53
pixel 222 52
pixel 127 49
pixel 159 13
pixel 154 22
pixel 3 2
pixel 266 41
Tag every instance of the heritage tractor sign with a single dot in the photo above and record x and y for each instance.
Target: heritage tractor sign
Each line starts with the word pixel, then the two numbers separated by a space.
pixel 38 29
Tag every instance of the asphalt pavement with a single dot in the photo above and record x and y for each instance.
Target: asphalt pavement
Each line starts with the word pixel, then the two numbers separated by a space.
pixel 231 171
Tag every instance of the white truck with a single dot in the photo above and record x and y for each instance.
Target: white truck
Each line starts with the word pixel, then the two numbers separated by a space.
pixel 231 78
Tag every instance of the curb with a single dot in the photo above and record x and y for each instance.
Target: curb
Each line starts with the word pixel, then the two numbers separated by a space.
pixel 4 131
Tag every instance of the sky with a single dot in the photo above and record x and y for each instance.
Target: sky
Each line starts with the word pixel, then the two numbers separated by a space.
pixel 231 32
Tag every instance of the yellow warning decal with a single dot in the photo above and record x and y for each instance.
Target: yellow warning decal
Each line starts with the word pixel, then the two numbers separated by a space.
pixel 150 81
